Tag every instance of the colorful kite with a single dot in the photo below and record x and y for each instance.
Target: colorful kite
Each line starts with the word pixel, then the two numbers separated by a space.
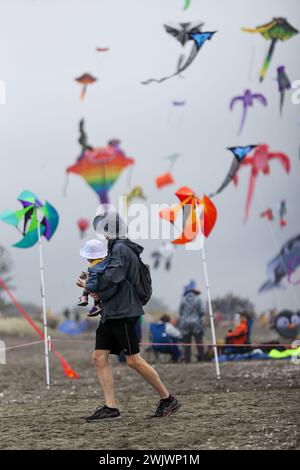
pixel 164 180
pixel 239 154
pixel 192 223
pixel 267 214
pixel 167 178
pixel 83 225
pixel 247 100
pixel 102 49
pixel 33 215
pixel 85 80
pixel 136 193
pixel 277 29
pixel 284 264
pixel 259 163
pixel 185 32
pixel 283 84
pixel 282 213
pixel 100 167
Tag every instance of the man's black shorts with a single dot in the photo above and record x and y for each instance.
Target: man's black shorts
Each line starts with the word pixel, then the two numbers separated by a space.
pixel 118 335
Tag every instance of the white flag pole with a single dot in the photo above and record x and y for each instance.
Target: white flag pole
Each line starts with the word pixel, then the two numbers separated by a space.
pixel 210 310
pixel 43 301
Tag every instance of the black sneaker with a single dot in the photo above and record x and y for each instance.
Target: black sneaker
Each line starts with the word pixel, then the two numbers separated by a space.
pixel 167 407
pixel 103 412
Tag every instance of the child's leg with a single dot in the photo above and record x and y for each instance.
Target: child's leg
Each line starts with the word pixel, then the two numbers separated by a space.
pixel 84 298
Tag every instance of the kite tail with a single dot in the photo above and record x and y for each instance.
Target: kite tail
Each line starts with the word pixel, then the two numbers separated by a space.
pixel 243 119
pixel 186 4
pixel 267 60
pixel 68 371
pixel 103 196
pixel 282 93
pixel 83 92
pixel 249 196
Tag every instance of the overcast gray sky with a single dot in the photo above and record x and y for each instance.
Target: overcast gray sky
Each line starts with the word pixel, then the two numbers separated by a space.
pixel 45 44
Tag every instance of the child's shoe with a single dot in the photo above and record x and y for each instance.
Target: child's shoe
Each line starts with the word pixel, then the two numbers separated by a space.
pixel 83 301
pixel 95 311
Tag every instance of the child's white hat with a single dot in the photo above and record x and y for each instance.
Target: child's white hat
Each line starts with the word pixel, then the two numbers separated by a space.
pixel 93 249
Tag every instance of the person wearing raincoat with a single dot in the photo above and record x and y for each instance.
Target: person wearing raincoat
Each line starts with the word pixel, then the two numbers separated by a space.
pixel 191 315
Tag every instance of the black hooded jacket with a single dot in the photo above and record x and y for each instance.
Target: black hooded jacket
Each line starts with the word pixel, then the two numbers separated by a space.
pixel 119 278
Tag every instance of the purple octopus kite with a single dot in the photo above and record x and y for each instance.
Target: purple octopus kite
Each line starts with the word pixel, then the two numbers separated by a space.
pixel 247 100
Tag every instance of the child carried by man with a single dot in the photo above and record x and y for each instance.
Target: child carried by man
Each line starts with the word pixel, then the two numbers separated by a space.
pixel 96 255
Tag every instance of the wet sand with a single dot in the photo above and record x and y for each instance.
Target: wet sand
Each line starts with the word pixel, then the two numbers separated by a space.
pixel 255 405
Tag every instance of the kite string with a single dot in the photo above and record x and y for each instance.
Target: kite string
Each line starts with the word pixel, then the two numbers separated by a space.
pixel 277 246
pixel 148 343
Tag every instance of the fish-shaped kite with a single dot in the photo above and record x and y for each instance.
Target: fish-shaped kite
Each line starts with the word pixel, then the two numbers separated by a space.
pixel 279 29
pixel 284 264
pixel 184 33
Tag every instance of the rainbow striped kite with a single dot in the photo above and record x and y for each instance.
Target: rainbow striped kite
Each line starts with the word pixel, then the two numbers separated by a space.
pixel 100 167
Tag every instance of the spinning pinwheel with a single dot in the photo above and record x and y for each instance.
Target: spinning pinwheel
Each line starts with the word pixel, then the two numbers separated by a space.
pixel 37 220
pixel 195 224
pixel 31 226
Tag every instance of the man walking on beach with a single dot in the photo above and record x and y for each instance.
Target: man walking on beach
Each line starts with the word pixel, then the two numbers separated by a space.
pixel 120 311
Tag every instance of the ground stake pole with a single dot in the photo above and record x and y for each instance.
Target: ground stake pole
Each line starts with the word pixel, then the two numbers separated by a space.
pixel 44 302
pixel 211 315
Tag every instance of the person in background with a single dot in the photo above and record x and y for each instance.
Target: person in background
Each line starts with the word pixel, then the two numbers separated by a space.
pixel 240 335
pixel 191 315
pixel 166 333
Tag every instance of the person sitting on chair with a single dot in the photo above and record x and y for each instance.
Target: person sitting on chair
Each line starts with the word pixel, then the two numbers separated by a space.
pixel 165 333
pixel 240 336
